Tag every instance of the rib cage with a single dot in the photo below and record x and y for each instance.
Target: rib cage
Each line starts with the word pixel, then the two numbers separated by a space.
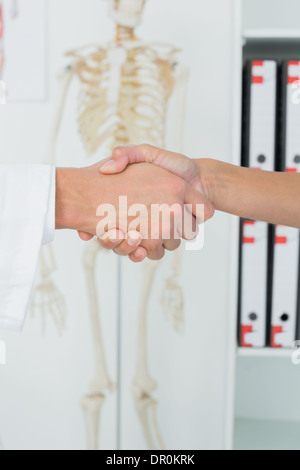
pixel 146 81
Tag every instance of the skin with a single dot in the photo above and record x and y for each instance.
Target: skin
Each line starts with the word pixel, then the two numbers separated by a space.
pixel 79 192
pixel 253 194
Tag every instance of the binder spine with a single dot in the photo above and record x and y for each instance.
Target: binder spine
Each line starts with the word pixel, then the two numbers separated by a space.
pixel 258 151
pixel 285 297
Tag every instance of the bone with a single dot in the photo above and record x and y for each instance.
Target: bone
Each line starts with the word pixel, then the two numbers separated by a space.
pixel 91 406
pixel 65 77
pixel 101 381
pixel 172 299
pixel 47 299
pixel 146 408
pixel 141 93
pixel 144 384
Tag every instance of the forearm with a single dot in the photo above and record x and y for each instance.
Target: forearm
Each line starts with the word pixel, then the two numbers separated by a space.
pixel 252 194
pixel 65 205
pixel 77 199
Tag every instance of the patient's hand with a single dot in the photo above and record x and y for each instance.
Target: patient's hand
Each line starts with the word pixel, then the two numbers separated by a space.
pixel 178 164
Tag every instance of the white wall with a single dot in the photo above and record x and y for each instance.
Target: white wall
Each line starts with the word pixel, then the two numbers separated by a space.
pixel 271 14
pixel 45 377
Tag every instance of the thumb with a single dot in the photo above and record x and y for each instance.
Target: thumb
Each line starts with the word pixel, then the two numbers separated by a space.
pixel 177 164
pixel 114 164
pixel 120 159
pixel 127 155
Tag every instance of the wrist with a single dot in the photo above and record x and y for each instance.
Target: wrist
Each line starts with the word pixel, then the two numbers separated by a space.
pixel 222 182
pixel 211 179
pixel 66 200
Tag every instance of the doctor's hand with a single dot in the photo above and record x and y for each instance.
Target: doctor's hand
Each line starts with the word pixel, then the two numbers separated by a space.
pixel 80 192
pixel 192 171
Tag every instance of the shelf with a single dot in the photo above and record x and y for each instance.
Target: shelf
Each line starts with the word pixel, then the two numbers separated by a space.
pixel 266 435
pixel 282 34
pixel 264 352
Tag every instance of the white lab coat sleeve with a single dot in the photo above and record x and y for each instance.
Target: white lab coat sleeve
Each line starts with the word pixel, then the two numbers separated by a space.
pixel 27 221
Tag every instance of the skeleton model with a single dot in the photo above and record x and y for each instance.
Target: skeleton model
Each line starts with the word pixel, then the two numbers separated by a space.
pixel 125 88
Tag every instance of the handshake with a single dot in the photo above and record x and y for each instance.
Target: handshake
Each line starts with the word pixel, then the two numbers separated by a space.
pixel 139 203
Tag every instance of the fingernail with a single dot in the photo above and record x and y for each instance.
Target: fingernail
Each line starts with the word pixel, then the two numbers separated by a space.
pixel 138 254
pixel 108 164
pixel 134 240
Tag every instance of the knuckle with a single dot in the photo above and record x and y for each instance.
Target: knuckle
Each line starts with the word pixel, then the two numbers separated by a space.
pixel 174 246
pixel 155 249
pixel 157 255
pixel 150 245
pixel 145 147
pixel 117 150
pixel 106 243
pixel 148 152
pixel 121 251
pixel 117 153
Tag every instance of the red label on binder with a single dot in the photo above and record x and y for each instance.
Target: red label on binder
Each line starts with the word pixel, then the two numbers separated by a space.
pixel 249 240
pixel 245 330
pixel 292 80
pixel 275 331
pixel 281 240
pixel 257 80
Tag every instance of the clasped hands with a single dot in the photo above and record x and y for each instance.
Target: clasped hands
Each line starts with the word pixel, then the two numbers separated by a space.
pixel 145 175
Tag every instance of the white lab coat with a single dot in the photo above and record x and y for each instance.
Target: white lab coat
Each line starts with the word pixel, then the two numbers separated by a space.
pixel 27 221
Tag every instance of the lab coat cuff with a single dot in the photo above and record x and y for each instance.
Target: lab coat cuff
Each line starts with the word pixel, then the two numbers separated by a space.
pixel 49 227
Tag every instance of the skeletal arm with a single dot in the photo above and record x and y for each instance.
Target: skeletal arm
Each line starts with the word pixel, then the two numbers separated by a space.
pixel 181 76
pixel 47 298
pixel 65 78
